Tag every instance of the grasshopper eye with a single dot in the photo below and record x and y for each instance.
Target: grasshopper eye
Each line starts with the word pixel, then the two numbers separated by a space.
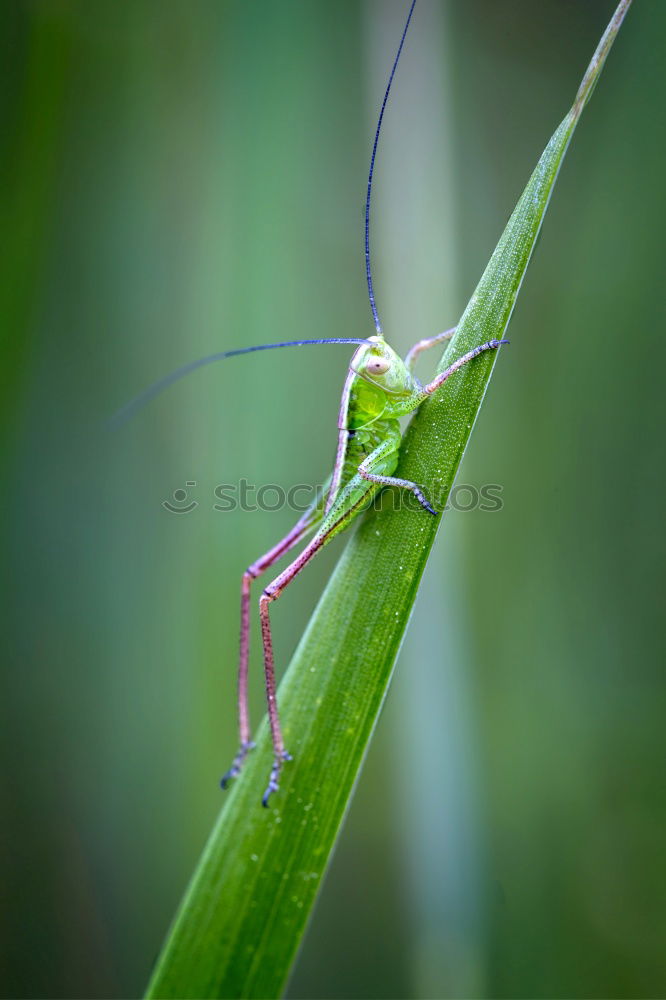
pixel 377 366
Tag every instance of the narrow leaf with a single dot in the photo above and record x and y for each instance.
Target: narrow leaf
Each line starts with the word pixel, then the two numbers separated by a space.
pixel 240 924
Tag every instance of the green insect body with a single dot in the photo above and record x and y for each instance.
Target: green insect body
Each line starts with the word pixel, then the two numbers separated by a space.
pixel 380 387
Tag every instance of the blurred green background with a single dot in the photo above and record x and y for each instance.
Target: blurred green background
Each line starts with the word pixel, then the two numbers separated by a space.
pixel 180 178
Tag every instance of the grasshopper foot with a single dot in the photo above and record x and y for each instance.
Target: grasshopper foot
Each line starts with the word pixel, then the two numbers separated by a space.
pixel 237 764
pixel 273 785
pixel 424 503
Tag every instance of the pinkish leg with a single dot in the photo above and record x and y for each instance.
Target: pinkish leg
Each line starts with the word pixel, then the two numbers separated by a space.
pixel 433 386
pixel 300 529
pixel 424 345
pixel 332 525
pixel 271 593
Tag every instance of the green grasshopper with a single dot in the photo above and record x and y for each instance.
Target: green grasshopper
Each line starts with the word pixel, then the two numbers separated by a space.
pixel 379 389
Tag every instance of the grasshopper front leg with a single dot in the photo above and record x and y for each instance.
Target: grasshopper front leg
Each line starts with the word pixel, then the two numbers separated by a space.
pixel 386 455
pixel 424 345
pixel 439 380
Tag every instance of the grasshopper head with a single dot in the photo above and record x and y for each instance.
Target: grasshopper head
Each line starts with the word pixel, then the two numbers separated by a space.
pixel 381 366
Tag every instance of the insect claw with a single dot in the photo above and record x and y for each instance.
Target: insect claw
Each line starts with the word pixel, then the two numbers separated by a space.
pixel 237 764
pixel 232 773
pixel 273 785
pixel 424 503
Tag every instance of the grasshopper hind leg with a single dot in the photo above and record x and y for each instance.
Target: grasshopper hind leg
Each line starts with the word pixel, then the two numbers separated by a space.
pixel 302 527
pixel 342 511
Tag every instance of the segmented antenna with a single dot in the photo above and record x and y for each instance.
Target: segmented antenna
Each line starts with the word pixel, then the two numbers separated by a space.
pixel 129 409
pixel 368 271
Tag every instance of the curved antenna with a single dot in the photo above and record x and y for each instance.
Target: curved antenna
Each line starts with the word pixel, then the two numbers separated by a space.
pixel 129 409
pixel 368 272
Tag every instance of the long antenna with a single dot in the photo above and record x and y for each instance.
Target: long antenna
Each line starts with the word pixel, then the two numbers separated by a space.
pixel 129 409
pixel 368 271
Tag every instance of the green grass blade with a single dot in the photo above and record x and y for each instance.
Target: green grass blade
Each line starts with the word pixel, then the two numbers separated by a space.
pixel 243 916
